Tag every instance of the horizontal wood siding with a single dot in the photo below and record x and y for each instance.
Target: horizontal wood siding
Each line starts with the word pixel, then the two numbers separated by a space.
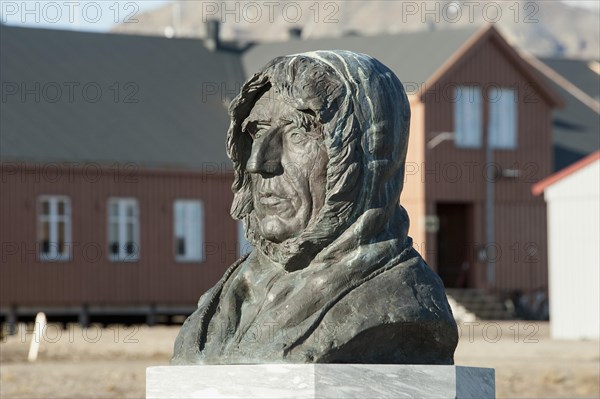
pixel 90 277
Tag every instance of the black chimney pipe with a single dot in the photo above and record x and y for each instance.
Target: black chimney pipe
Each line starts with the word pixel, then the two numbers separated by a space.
pixel 295 33
pixel 212 34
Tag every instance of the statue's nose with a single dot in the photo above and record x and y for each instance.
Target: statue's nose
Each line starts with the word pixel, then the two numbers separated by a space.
pixel 265 156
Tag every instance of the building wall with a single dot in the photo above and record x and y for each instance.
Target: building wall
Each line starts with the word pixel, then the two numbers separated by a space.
pixel 573 237
pixel 455 175
pixel 89 278
pixel 413 193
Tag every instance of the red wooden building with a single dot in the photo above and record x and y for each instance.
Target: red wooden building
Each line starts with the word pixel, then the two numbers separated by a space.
pixel 115 183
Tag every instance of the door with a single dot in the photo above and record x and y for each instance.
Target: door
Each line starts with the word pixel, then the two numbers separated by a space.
pixel 453 261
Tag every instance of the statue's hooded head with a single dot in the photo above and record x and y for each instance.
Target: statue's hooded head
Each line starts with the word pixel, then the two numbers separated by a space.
pixel 318 142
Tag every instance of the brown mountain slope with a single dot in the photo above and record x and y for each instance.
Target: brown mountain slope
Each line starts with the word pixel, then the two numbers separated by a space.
pixel 544 28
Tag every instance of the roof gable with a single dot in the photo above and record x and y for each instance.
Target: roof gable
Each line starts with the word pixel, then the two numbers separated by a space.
pixel 542 185
pixel 485 35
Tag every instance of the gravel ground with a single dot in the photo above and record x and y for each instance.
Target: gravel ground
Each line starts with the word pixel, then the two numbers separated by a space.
pixel 111 362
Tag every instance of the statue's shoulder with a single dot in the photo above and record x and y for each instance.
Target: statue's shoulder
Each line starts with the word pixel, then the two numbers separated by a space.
pixel 186 350
pixel 407 289
pixel 408 319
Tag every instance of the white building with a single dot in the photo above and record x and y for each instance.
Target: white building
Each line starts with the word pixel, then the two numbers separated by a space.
pixel 573 198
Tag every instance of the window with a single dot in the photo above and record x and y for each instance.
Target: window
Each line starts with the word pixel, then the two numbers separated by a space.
pixel 54 228
pixel 467 117
pixel 123 230
pixel 189 230
pixel 503 118
pixel 244 246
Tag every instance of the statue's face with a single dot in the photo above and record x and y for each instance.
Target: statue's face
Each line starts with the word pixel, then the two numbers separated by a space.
pixel 288 167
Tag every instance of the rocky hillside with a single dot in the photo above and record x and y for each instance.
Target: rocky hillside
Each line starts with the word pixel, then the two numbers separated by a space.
pixel 544 28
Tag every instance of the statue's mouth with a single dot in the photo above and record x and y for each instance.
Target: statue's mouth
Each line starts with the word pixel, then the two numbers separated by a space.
pixel 270 200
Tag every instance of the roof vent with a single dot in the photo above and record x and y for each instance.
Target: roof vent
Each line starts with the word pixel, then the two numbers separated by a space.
pixel 295 33
pixel 212 34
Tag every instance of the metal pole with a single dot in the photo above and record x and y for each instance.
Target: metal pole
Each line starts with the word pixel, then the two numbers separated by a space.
pixel 489 212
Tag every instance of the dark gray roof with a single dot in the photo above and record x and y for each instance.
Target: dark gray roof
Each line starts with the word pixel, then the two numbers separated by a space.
pixel 169 112
pixel 576 128
pixel 179 119
pixel 577 72
pixel 414 57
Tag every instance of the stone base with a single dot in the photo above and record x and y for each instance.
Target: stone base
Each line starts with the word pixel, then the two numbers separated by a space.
pixel 319 381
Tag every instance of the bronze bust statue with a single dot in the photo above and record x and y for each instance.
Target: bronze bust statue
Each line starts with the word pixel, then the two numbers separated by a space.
pixel 318 142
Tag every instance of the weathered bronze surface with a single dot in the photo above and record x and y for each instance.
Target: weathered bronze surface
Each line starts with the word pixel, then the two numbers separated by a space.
pixel 318 141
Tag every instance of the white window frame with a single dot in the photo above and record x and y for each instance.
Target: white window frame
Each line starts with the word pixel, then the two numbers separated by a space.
pixel 53 219
pixel 502 129
pixel 122 220
pixel 192 230
pixel 244 246
pixel 468 117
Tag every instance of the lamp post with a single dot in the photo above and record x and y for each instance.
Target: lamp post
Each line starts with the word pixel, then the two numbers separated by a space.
pixel 489 212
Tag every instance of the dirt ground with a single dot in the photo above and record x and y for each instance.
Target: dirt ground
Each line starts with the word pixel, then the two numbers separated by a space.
pixel 111 362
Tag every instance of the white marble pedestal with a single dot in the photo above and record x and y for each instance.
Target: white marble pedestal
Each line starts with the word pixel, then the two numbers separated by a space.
pixel 319 381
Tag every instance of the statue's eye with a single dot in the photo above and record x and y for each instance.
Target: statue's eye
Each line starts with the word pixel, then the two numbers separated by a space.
pixel 260 129
pixel 297 136
pixel 300 134
pixel 255 129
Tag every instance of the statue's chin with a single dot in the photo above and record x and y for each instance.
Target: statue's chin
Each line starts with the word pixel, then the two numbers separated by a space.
pixel 276 230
